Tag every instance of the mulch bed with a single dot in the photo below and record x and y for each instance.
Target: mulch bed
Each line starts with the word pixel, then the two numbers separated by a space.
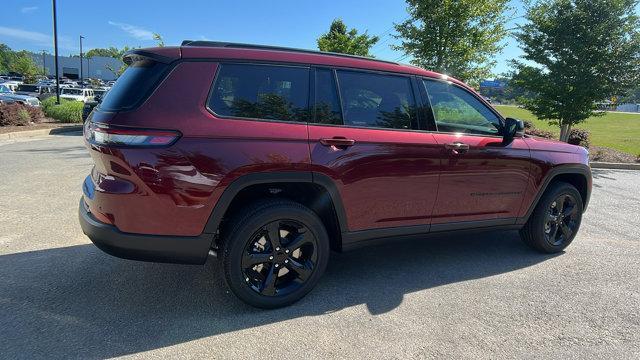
pixel 45 124
pixel 604 154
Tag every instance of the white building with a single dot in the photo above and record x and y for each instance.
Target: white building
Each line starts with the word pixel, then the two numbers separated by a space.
pixel 96 67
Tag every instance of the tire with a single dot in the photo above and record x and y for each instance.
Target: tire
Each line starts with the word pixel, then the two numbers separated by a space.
pixel 545 230
pixel 281 274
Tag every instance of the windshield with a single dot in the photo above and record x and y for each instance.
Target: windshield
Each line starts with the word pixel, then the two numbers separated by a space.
pixel 4 89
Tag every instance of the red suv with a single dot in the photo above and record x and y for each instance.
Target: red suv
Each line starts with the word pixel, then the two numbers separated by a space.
pixel 270 157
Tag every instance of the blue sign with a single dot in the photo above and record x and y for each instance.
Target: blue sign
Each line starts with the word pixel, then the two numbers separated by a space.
pixel 492 84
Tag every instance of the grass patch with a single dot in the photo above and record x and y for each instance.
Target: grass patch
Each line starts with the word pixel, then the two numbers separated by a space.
pixel 614 130
pixel 69 111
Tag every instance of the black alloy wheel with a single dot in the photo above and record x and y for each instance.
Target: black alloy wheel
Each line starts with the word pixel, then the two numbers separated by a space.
pixel 279 258
pixel 562 220
pixel 555 221
pixel 274 252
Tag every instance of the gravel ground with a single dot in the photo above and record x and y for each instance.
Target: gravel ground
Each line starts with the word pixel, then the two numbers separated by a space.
pixel 481 296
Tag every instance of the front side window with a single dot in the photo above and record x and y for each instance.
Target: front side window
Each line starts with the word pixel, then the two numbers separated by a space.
pixel 456 110
pixel 375 100
pixel 261 92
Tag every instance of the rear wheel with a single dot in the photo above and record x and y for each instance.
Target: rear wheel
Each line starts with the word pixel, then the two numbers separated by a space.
pixel 555 220
pixel 274 253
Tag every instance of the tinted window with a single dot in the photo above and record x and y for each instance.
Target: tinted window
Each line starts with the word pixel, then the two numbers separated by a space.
pixel 133 85
pixel 261 92
pixel 457 110
pixel 377 100
pixel 28 88
pixel 327 106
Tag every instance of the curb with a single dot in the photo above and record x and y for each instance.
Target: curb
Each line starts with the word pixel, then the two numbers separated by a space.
pixel 609 165
pixel 39 132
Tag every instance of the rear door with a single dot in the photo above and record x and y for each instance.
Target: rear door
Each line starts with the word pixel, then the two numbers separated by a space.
pixel 482 178
pixel 366 137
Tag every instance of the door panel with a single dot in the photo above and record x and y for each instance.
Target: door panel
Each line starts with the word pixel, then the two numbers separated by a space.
pixel 386 178
pixel 485 182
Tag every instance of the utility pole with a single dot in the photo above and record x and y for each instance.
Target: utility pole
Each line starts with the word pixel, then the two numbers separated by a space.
pixel 81 77
pixel 44 67
pixel 55 49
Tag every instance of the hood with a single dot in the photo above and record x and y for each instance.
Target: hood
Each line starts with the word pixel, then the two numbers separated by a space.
pixel 27 93
pixel 19 96
pixel 539 143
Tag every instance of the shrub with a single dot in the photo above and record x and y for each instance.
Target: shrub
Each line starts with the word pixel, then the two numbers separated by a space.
pixel 14 114
pixel 579 137
pixel 528 124
pixel 35 114
pixel 69 111
pixel 540 133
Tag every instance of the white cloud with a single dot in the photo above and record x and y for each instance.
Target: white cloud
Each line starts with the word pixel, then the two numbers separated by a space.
pixel 37 38
pixel 135 31
pixel 28 9
pixel 31 36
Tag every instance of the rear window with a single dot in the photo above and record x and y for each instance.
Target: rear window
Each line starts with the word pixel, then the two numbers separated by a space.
pixel 133 85
pixel 269 92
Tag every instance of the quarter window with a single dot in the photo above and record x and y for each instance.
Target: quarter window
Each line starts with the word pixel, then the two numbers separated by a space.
pixel 375 100
pixel 456 110
pixel 261 92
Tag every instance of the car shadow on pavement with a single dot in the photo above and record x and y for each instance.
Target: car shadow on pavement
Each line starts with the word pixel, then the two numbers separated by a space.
pixel 81 303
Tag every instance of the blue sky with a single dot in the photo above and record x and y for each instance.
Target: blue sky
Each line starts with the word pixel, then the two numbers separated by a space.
pixel 27 24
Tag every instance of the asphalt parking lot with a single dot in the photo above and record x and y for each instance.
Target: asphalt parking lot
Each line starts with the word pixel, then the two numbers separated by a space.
pixel 480 296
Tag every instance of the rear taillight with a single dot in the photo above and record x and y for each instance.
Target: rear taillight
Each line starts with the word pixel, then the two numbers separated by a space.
pixel 101 134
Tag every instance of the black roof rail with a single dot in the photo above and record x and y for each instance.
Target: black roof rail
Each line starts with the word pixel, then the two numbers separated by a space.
pixel 277 48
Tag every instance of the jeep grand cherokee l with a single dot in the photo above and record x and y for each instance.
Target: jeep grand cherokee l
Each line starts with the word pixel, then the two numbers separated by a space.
pixel 270 157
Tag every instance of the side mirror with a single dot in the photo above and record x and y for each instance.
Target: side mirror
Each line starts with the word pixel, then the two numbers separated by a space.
pixel 512 128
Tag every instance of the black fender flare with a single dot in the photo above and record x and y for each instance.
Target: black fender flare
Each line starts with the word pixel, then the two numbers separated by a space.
pixel 245 181
pixel 580 169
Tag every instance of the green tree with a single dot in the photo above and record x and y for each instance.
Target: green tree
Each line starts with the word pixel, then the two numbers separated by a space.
pixel 6 58
pixel 577 52
pixel 157 37
pixel 459 38
pixel 339 40
pixel 108 52
pixel 23 64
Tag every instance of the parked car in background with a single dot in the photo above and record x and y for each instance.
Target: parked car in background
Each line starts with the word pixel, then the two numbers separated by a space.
pixel 6 100
pixel 269 157
pixel 6 92
pixel 40 91
pixel 78 94
pixel 99 94
pixel 12 84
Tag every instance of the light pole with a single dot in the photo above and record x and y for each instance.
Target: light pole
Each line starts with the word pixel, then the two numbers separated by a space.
pixel 44 67
pixel 81 77
pixel 55 49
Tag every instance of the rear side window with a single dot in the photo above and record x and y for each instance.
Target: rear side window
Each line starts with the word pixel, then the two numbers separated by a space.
pixel 133 85
pixel 375 100
pixel 268 92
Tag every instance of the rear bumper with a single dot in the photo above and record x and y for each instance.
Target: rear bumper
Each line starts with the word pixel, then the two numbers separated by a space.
pixel 156 248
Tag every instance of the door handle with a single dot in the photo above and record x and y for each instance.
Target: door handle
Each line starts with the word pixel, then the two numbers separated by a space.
pixel 339 142
pixel 457 147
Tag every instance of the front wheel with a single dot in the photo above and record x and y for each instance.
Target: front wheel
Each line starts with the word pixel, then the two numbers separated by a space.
pixel 274 253
pixel 556 219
